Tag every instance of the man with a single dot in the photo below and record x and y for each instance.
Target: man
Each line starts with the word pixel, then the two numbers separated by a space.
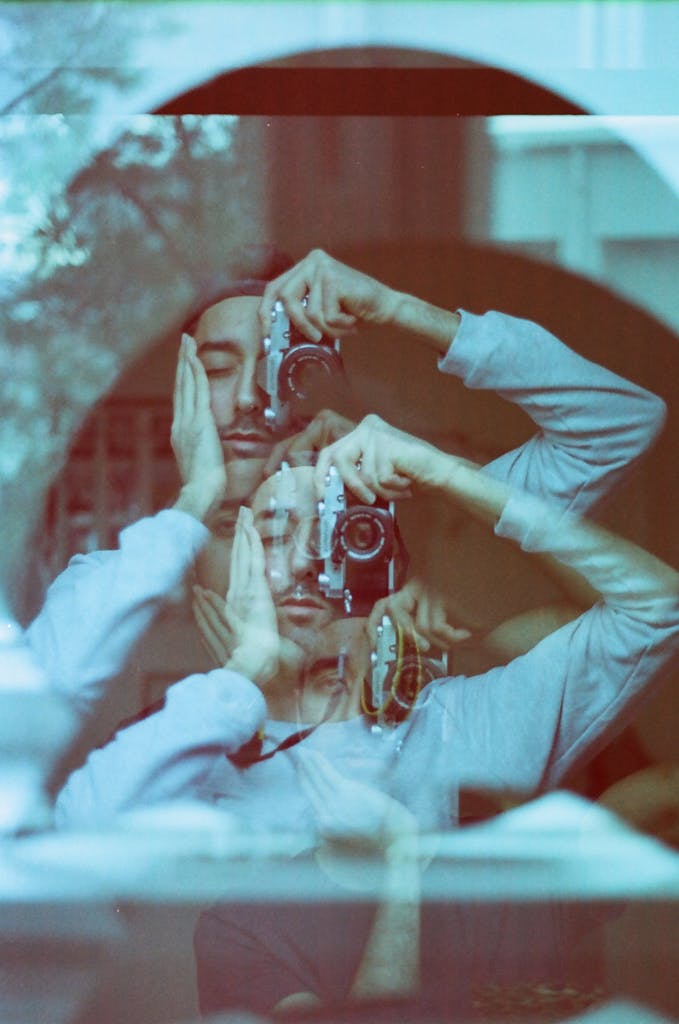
pixel 520 727
pixel 592 671
pixel 593 427
pixel 227 332
pixel 218 411
pixel 495 731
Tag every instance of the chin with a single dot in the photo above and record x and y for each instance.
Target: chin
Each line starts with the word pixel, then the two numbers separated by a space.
pixel 304 635
pixel 243 477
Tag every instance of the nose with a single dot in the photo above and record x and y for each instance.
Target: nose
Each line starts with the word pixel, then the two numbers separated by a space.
pixel 302 565
pixel 250 397
pixel 288 567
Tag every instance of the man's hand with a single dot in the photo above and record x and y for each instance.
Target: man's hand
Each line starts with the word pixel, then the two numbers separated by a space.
pixel 350 811
pixel 377 460
pixel 338 298
pixel 194 437
pixel 241 633
pixel 419 610
pixel 325 428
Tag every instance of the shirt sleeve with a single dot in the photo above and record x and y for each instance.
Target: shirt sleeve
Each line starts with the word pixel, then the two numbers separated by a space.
pixel 531 722
pixel 167 755
pixel 593 424
pixel 102 604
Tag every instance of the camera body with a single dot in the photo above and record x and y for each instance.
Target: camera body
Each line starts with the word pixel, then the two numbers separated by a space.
pixel 291 366
pixel 358 546
pixel 398 674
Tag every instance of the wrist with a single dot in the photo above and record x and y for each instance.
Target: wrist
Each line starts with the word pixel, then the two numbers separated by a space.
pixel 437 327
pixel 253 666
pixel 199 499
pixel 431 469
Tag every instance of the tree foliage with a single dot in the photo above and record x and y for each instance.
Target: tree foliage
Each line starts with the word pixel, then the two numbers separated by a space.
pixel 60 57
pixel 118 258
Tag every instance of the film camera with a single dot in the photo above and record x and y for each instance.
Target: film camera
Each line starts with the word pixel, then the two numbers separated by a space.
pixel 292 365
pixel 398 674
pixel 357 543
pixel 360 544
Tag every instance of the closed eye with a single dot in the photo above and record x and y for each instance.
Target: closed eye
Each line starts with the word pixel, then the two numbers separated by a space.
pixel 225 527
pixel 217 372
pixel 278 538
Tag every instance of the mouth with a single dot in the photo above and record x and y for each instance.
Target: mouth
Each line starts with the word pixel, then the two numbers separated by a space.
pixel 247 443
pixel 302 606
pixel 303 602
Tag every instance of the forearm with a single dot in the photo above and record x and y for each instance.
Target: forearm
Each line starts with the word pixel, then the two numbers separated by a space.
pixel 459 481
pixel 627 577
pixel 199 499
pixel 435 326
pixel 166 756
pixel 521 633
pixel 593 423
pixel 620 571
pixel 391 959
pixel 101 605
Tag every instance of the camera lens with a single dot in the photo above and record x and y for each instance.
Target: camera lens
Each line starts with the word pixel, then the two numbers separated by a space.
pixel 363 534
pixel 303 366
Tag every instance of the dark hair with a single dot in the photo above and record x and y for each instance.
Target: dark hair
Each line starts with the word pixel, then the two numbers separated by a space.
pixel 249 274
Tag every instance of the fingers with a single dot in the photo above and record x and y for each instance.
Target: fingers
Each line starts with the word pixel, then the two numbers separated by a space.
pixel 238 570
pixel 325 428
pixel 348 461
pixel 214 630
pixel 192 389
pixel 402 614
pixel 431 622
pixel 199 382
pixel 179 376
pixel 333 320
pixel 182 399
pixel 314 294
pixel 246 546
pixel 291 289
pixel 320 789
pixel 258 580
pixel 379 610
pixel 365 460
pixel 417 612
pixel 194 436
pixel 188 390
pixel 278 454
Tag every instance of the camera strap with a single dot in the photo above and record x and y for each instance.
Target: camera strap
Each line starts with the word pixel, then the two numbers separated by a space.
pixel 401 679
pixel 251 752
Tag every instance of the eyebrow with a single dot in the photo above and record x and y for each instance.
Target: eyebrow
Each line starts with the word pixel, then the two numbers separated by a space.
pixel 220 345
pixel 320 665
pixel 224 512
pixel 267 514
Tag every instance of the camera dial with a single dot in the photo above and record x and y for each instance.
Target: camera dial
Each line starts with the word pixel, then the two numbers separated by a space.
pixel 292 366
pixel 364 533
pixel 357 545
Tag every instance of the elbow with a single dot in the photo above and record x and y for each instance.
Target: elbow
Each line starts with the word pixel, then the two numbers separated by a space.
pixel 652 417
pixel 639 420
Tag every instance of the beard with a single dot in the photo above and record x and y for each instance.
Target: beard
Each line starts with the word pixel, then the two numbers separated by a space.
pixel 301 612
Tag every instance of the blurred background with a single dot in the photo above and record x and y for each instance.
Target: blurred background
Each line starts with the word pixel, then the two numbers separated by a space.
pixel 528 161
pixel 492 190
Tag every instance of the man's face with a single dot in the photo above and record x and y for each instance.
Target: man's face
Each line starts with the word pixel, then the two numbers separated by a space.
pixel 229 346
pixel 332 678
pixel 292 570
pixel 214 561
